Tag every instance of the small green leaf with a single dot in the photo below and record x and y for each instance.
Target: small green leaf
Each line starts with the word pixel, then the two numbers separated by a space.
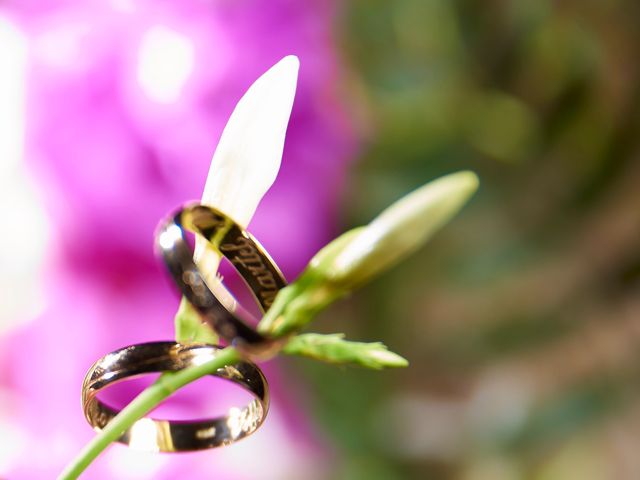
pixel 334 348
pixel 190 328
pixel 299 302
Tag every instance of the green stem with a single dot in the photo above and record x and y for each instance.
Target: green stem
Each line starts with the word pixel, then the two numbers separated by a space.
pixel 141 405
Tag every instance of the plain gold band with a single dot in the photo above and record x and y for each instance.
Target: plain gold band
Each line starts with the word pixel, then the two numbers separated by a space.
pixel 166 435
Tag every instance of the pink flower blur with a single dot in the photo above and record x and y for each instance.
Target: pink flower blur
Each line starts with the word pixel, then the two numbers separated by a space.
pixel 126 102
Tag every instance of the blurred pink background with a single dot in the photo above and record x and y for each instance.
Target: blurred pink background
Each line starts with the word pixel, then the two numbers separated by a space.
pixel 120 106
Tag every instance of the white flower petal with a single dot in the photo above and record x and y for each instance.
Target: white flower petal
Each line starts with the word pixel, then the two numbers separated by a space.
pixel 248 156
pixel 247 160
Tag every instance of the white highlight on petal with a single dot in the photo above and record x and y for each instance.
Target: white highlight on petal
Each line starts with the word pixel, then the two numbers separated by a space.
pixel 60 44
pixel 126 6
pixel 165 62
pixel 14 442
pixel 247 160
pixel 13 50
pixel 24 225
pixel 128 463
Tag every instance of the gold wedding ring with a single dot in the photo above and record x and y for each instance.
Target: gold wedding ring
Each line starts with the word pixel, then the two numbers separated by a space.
pixel 246 255
pixel 166 435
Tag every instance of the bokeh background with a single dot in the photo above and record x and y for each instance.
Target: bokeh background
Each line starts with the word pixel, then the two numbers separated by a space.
pixel 521 319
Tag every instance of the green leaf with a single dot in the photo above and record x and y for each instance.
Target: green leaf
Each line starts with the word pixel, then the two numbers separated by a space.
pixel 190 328
pixel 335 349
pixel 299 302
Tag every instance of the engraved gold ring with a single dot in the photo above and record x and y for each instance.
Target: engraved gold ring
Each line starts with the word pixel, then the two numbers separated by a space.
pixel 175 436
pixel 244 253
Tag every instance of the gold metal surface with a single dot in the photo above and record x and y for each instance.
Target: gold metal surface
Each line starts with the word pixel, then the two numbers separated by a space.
pixel 247 256
pixel 175 436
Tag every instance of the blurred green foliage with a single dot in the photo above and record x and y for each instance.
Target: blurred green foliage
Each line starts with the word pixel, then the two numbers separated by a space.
pixel 522 319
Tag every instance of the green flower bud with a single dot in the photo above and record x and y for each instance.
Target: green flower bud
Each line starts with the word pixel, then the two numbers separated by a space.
pixel 401 229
